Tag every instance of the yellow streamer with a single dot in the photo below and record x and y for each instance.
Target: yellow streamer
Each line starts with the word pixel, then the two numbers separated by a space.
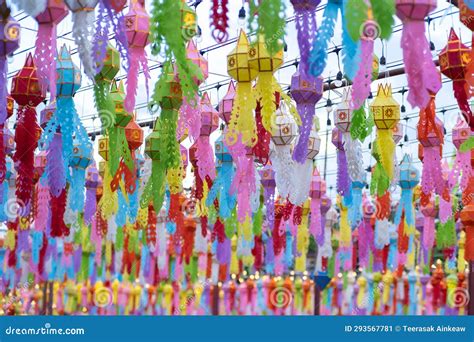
pixel 386 147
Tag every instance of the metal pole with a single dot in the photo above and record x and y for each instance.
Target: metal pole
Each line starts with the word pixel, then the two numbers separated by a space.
pixel 317 300
pixel 215 300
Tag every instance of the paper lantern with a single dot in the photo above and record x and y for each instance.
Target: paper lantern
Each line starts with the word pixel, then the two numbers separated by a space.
pixel 397 133
pixel 45 52
pixel 409 174
pixel 83 23
pixel 343 112
pixel 385 109
pixel 386 113
pixel 69 76
pixel 8 141
pixel 117 95
pixel 110 65
pixel 423 77
pixel 195 56
pixel 134 134
pixel 188 21
pixel 81 157
pixel 222 152
pixel 242 120
pixel 453 61
pixel 227 103
pixel 461 133
pixel 104 147
pixel 173 97
pixel 306 91
pixel 314 144
pixel 39 165
pixel 318 186
pixel 9 42
pixel 209 116
pixel 152 145
pixel 284 129
pixel 47 113
pixel 137 29
pixel 92 178
pixel 26 91
pixel 337 138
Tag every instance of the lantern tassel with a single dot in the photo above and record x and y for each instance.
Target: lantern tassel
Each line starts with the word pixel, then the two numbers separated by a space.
pixel 315 227
pixel 307 113
pixel 432 177
pixel 3 160
pixel 318 57
pixel 423 77
pixel 3 91
pixel 44 58
pixel 362 80
pixel 82 31
pixel 386 147
pixel 343 181
pixel 242 120
pixel 26 142
pixel 54 166
pixel 461 97
pixel 300 185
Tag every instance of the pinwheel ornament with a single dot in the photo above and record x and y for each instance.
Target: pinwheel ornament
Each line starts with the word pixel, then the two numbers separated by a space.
pixel 26 91
pixel 386 113
pixel 453 60
pixel 421 71
pixel 83 17
pixel 137 28
pixel 242 123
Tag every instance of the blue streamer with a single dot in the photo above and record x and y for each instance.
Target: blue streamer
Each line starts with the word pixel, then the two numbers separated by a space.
pixel 355 209
pixel 350 49
pixel 319 55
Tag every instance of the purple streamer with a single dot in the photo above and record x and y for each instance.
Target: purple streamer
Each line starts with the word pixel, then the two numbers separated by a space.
pixel 55 166
pixel 307 113
pixel 90 206
pixel 3 90
pixel 306 27
pixel 343 181
pixel 99 47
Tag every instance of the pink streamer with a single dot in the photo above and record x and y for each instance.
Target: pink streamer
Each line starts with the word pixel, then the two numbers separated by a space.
pixel 432 177
pixel 315 225
pixel 428 232
pixel 462 165
pixel 244 180
pixel 445 209
pixel 205 158
pixel 363 78
pixel 44 57
pixel 137 57
pixel 42 212
pixel 423 77
pixel 190 119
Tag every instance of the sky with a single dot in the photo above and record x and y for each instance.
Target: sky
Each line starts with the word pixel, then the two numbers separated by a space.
pixel 444 17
